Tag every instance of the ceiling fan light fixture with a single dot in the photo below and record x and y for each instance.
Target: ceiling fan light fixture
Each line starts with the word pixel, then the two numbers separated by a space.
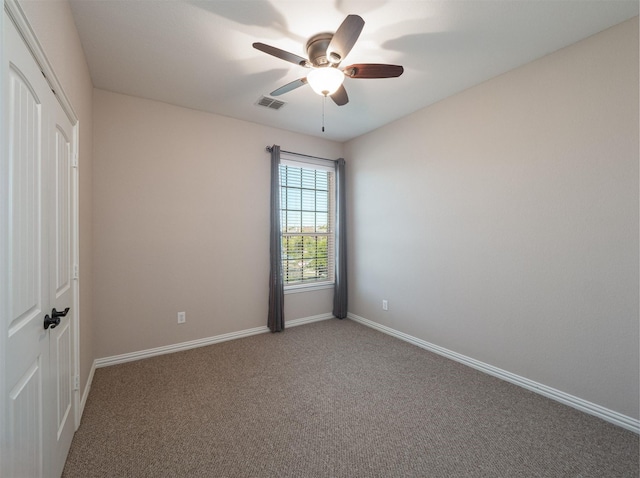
pixel 325 81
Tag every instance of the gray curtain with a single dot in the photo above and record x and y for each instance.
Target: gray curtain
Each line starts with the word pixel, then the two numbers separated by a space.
pixel 276 286
pixel 340 291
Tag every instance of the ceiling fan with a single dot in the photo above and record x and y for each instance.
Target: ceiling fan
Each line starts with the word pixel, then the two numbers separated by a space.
pixel 325 52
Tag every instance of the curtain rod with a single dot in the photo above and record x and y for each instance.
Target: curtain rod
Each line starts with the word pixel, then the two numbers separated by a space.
pixel 269 148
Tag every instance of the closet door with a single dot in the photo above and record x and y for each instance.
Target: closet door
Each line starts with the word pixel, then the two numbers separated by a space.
pixel 27 353
pixel 39 362
pixel 60 222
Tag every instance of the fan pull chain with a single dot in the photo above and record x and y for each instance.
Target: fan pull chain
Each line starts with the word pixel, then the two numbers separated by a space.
pixel 324 100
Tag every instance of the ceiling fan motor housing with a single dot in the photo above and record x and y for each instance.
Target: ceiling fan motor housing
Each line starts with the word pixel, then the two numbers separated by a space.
pixel 317 49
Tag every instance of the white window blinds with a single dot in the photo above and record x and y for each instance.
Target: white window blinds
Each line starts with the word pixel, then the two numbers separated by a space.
pixel 307 221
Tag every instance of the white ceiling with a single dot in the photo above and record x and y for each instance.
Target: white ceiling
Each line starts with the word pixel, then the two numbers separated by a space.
pixel 198 54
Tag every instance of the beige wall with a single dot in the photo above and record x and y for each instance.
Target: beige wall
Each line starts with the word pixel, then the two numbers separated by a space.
pixel 502 222
pixel 181 214
pixel 55 29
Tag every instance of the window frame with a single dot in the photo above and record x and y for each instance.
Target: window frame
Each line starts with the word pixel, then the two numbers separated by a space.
pixel 322 165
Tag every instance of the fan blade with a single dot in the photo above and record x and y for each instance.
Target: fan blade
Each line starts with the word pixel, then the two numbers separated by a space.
pixel 373 70
pixel 289 86
pixel 340 97
pixel 283 55
pixel 344 38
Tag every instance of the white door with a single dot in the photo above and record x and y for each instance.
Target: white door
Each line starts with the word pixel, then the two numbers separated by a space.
pixel 27 364
pixel 38 361
pixel 60 222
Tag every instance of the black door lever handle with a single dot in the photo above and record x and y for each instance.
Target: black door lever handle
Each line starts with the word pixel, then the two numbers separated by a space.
pixel 55 314
pixel 54 320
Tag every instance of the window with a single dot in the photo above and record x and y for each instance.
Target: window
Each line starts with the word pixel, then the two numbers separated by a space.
pixel 306 216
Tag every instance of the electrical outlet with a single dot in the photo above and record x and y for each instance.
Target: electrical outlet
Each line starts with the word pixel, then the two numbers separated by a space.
pixel 182 317
pixel 385 304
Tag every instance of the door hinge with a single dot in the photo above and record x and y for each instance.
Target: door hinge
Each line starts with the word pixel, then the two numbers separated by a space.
pixel 76 272
pixel 74 162
pixel 76 382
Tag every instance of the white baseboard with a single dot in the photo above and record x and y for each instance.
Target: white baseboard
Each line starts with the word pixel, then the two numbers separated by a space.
pixel 610 416
pixel 307 320
pixel 85 394
pixel 167 349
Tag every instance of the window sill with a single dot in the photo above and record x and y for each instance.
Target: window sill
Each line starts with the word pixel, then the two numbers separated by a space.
pixel 296 289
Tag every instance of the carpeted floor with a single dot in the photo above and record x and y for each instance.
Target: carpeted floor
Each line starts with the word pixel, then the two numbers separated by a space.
pixel 332 399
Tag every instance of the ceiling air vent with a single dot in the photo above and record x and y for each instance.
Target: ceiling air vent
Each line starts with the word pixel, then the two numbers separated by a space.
pixel 270 103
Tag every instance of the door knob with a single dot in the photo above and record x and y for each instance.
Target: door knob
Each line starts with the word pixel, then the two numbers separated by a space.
pixel 54 320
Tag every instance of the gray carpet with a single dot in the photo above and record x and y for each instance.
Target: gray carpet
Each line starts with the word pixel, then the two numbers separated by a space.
pixel 331 399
